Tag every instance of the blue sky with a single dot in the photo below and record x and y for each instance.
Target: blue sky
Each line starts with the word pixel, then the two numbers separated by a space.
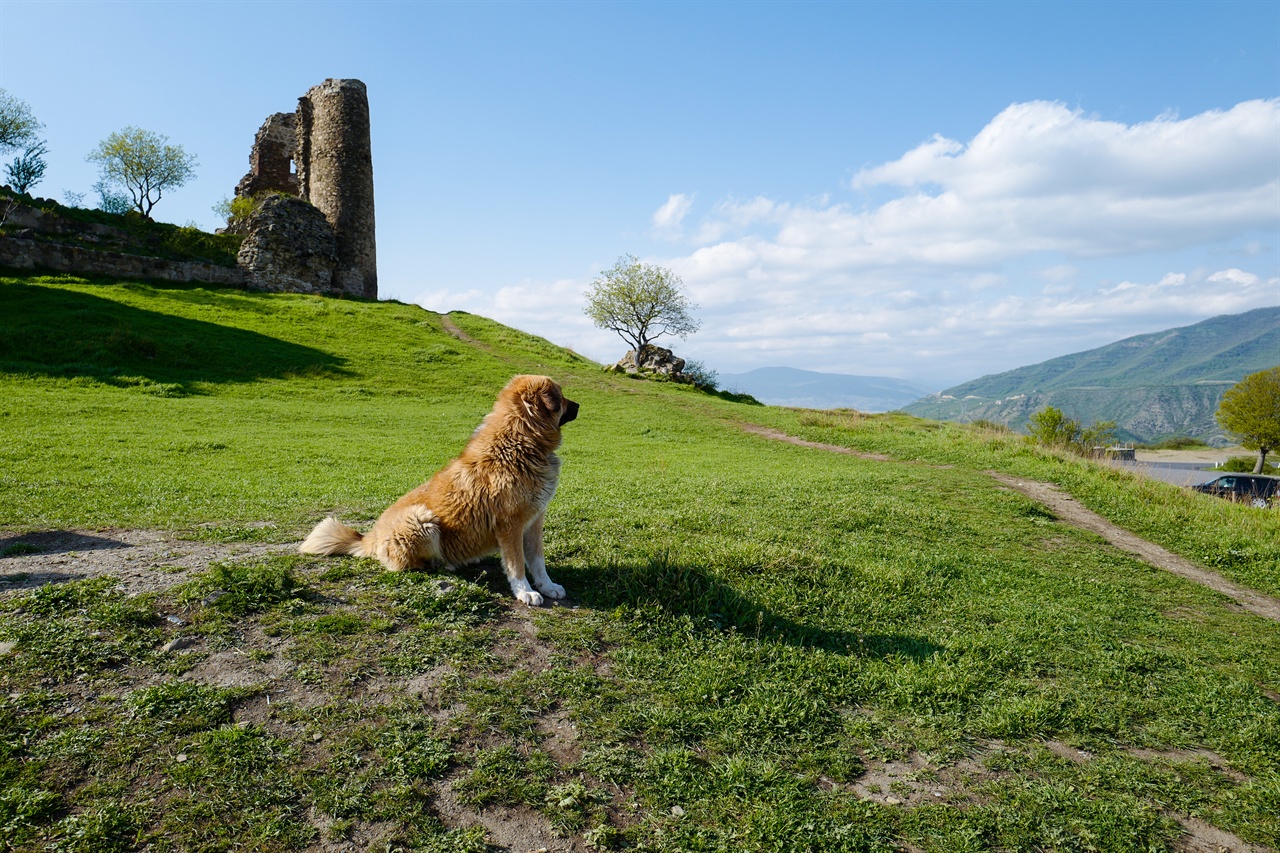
pixel 931 191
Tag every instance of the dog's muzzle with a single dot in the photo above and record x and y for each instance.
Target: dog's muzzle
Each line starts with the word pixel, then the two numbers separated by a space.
pixel 570 412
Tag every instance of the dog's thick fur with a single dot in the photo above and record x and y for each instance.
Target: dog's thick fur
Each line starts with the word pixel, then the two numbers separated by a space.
pixel 491 498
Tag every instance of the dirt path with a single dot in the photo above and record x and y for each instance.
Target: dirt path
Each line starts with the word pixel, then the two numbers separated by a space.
pixel 461 335
pixel 777 435
pixel 1073 513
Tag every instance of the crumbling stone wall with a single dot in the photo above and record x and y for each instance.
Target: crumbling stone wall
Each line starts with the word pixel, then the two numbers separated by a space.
pixel 26 254
pixel 328 141
pixel 39 238
pixel 271 160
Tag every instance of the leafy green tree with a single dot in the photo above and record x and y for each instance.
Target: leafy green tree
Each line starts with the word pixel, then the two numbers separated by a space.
pixel 1052 428
pixel 236 211
pixel 111 200
pixel 18 125
pixel 640 302
pixel 1250 410
pixel 1100 434
pixel 27 169
pixel 142 163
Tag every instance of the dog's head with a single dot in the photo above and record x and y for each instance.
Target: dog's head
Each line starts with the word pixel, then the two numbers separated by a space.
pixel 541 401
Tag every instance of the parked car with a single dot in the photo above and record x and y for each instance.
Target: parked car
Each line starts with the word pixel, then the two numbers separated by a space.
pixel 1256 489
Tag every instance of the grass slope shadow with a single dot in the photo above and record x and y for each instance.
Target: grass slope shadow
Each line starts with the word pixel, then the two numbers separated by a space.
pixel 58 332
pixel 690 591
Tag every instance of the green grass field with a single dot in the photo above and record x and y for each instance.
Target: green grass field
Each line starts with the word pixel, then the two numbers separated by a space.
pixel 766 647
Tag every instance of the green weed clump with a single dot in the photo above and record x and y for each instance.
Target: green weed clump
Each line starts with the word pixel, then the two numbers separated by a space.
pixel 238 589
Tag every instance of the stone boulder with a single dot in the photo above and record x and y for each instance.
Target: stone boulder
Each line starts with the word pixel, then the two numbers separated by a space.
pixel 290 247
pixel 651 359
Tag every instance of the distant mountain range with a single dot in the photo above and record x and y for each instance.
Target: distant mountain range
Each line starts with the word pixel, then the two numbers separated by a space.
pixel 1153 386
pixel 809 389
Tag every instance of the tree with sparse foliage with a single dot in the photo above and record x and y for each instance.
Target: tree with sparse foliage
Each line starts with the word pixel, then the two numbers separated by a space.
pixel 111 200
pixel 1250 410
pixel 640 302
pixel 27 169
pixel 144 164
pixel 18 125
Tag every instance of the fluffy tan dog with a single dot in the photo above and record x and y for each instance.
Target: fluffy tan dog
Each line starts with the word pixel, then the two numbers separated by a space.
pixel 491 498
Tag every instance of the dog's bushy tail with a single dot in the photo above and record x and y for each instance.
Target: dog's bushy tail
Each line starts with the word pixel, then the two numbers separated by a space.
pixel 333 537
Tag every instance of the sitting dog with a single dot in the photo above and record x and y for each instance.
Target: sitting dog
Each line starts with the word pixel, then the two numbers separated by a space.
pixel 493 497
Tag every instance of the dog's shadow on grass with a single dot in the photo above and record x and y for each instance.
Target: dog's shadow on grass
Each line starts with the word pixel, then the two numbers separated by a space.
pixel 56 542
pixel 710 604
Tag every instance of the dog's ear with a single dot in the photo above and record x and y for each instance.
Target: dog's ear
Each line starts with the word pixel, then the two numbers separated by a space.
pixel 542 401
pixel 549 400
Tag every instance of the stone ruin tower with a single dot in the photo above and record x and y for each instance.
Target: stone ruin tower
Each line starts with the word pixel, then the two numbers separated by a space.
pixel 314 231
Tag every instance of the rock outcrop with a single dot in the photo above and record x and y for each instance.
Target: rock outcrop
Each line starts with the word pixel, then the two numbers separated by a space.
pixel 651 359
pixel 290 247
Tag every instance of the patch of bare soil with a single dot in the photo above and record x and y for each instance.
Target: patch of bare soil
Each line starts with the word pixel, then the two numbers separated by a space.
pixel 916 781
pixel 1071 511
pixel 1216 762
pixel 1064 750
pixel 515 828
pixel 1200 837
pixel 143 560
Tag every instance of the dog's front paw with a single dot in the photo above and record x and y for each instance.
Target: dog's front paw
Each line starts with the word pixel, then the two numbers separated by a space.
pixel 529 597
pixel 551 589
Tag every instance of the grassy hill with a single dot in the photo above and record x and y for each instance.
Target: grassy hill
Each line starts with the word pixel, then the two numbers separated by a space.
pixel 765 647
pixel 1153 386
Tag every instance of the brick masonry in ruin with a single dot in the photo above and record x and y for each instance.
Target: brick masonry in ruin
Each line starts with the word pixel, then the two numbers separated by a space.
pixel 271 161
pixel 328 140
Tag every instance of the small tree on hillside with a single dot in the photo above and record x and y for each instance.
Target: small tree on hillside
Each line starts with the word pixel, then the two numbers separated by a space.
pixel 18 125
pixel 1052 428
pixel 27 169
pixel 640 302
pixel 143 164
pixel 18 128
pixel 1251 410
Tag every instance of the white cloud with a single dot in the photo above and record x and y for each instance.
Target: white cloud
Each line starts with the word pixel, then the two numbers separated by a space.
pixel 1050 232
pixel 667 218
pixel 1043 177
pixel 1234 276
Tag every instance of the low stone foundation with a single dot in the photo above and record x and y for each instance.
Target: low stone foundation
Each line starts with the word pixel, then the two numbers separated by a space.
pixel 27 254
